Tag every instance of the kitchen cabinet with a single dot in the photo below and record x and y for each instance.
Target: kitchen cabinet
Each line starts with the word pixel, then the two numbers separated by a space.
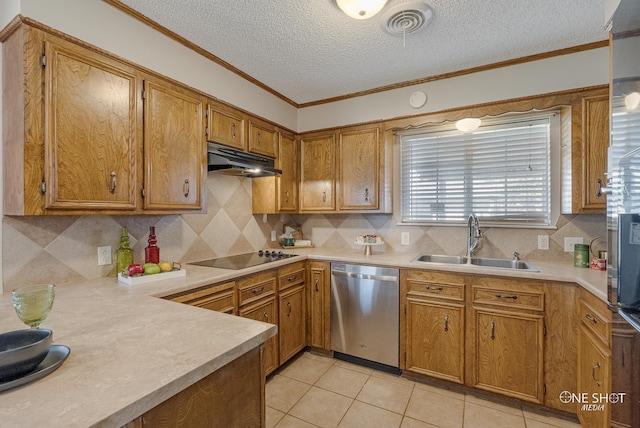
pixel 226 125
pixel 279 194
pixel 505 337
pixel 174 148
pixel 257 301
pixel 217 297
pixel 262 138
pixel 319 305
pixel 317 176
pixel 434 324
pixel 359 158
pixel 594 360
pixel 232 396
pixel 75 144
pixel 584 161
pixel 292 310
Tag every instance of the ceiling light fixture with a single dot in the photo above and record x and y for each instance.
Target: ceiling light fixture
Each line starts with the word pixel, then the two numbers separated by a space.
pixel 361 9
pixel 468 124
pixel 632 101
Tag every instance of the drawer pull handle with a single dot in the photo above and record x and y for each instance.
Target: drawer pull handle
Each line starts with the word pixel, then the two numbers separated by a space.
pixel 446 322
pixel 317 281
pixel 428 287
pixel 493 330
pixel 324 196
pixel 266 316
pixel 286 194
pixel 591 318
pixel 114 182
pixel 500 296
pixel 257 290
pixel 259 139
pixel 233 131
pixel 292 278
pixel 593 373
pixel 366 194
pixel 288 308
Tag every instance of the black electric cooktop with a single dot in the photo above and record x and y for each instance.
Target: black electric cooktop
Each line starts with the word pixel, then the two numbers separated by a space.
pixel 241 261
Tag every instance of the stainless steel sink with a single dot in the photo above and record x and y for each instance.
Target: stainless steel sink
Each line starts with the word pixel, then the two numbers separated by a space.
pixel 486 262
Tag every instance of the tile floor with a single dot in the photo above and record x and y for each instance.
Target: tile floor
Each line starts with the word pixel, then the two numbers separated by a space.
pixel 318 391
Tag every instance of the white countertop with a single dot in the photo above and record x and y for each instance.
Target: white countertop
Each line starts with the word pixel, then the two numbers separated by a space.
pixel 130 350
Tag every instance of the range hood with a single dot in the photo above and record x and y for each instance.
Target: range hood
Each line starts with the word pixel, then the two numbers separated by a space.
pixel 225 160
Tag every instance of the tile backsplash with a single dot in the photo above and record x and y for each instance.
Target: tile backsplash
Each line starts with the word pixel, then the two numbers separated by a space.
pixel 61 248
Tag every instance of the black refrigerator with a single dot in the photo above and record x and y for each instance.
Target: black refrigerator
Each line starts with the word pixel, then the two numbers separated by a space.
pixel 623 214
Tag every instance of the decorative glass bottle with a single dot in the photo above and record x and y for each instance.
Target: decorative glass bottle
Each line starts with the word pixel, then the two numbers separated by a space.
pixel 124 254
pixel 152 252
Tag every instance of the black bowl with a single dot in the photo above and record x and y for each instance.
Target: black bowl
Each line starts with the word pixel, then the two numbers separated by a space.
pixel 21 351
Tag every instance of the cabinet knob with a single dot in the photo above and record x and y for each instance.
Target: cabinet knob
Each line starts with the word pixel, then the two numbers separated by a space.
pixel 114 182
pixel 185 188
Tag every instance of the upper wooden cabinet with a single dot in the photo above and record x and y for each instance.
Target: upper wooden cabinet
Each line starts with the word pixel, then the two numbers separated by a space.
pixel 359 158
pixel 262 138
pixel 91 134
pixel 226 126
pixel 73 134
pixel 584 161
pixel 317 176
pixel 174 147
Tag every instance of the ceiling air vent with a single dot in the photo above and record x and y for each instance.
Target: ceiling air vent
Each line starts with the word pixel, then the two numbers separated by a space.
pixel 406 17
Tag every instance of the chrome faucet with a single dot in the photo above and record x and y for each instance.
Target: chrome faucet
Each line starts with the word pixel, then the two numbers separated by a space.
pixel 473 235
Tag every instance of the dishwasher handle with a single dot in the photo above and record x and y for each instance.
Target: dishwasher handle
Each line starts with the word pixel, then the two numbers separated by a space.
pixel 364 276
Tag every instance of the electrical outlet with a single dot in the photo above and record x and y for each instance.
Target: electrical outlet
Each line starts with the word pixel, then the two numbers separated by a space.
pixel 405 238
pixel 570 242
pixel 273 236
pixel 104 255
pixel 543 242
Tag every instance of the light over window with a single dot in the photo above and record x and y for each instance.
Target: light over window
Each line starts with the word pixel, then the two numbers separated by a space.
pixel 501 172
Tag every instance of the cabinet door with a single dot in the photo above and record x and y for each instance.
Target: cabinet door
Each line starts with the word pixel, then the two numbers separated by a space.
pixel 292 327
pixel 174 148
pixel 594 377
pixel 91 137
pixel 435 339
pixel 509 354
pixel 317 180
pixel 288 181
pixel 262 139
pixel 359 165
pixel 226 127
pixel 319 306
pixel 595 142
pixel 265 311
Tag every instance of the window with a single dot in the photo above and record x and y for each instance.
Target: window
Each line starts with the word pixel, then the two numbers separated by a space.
pixel 501 172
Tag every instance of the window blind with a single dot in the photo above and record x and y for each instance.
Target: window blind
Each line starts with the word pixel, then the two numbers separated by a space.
pixel 501 172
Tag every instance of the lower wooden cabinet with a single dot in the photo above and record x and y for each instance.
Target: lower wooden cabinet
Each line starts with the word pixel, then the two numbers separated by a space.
pixel 232 396
pixel 319 290
pixel 292 307
pixel 508 357
pixel 219 297
pixel 435 337
pixel 594 377
pixel 265 310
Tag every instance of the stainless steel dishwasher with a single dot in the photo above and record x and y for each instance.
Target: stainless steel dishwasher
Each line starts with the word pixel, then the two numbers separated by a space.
pixel 365 313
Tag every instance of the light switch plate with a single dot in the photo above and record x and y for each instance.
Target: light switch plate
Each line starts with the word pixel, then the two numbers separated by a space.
pixel 543 242
pixel 570 242
pixel 104 255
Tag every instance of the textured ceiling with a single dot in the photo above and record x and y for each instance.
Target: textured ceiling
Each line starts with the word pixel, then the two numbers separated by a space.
pixel 309 50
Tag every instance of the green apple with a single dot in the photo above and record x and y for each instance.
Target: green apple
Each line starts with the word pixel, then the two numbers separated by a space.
pixel 151 268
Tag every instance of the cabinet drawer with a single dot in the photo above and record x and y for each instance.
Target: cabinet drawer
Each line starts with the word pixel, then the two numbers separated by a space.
pixel 594 321
pixel 293 274
pixel 530 300
pixel 435 289
pixel 220 297
pixel 256 287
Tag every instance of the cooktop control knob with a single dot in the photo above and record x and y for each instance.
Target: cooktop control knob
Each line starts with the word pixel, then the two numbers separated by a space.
pixel 267 253
pixel 261 253
pixel 280 254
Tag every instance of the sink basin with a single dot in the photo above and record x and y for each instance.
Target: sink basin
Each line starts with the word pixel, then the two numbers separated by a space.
pixel 486 262
pixel 432 258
